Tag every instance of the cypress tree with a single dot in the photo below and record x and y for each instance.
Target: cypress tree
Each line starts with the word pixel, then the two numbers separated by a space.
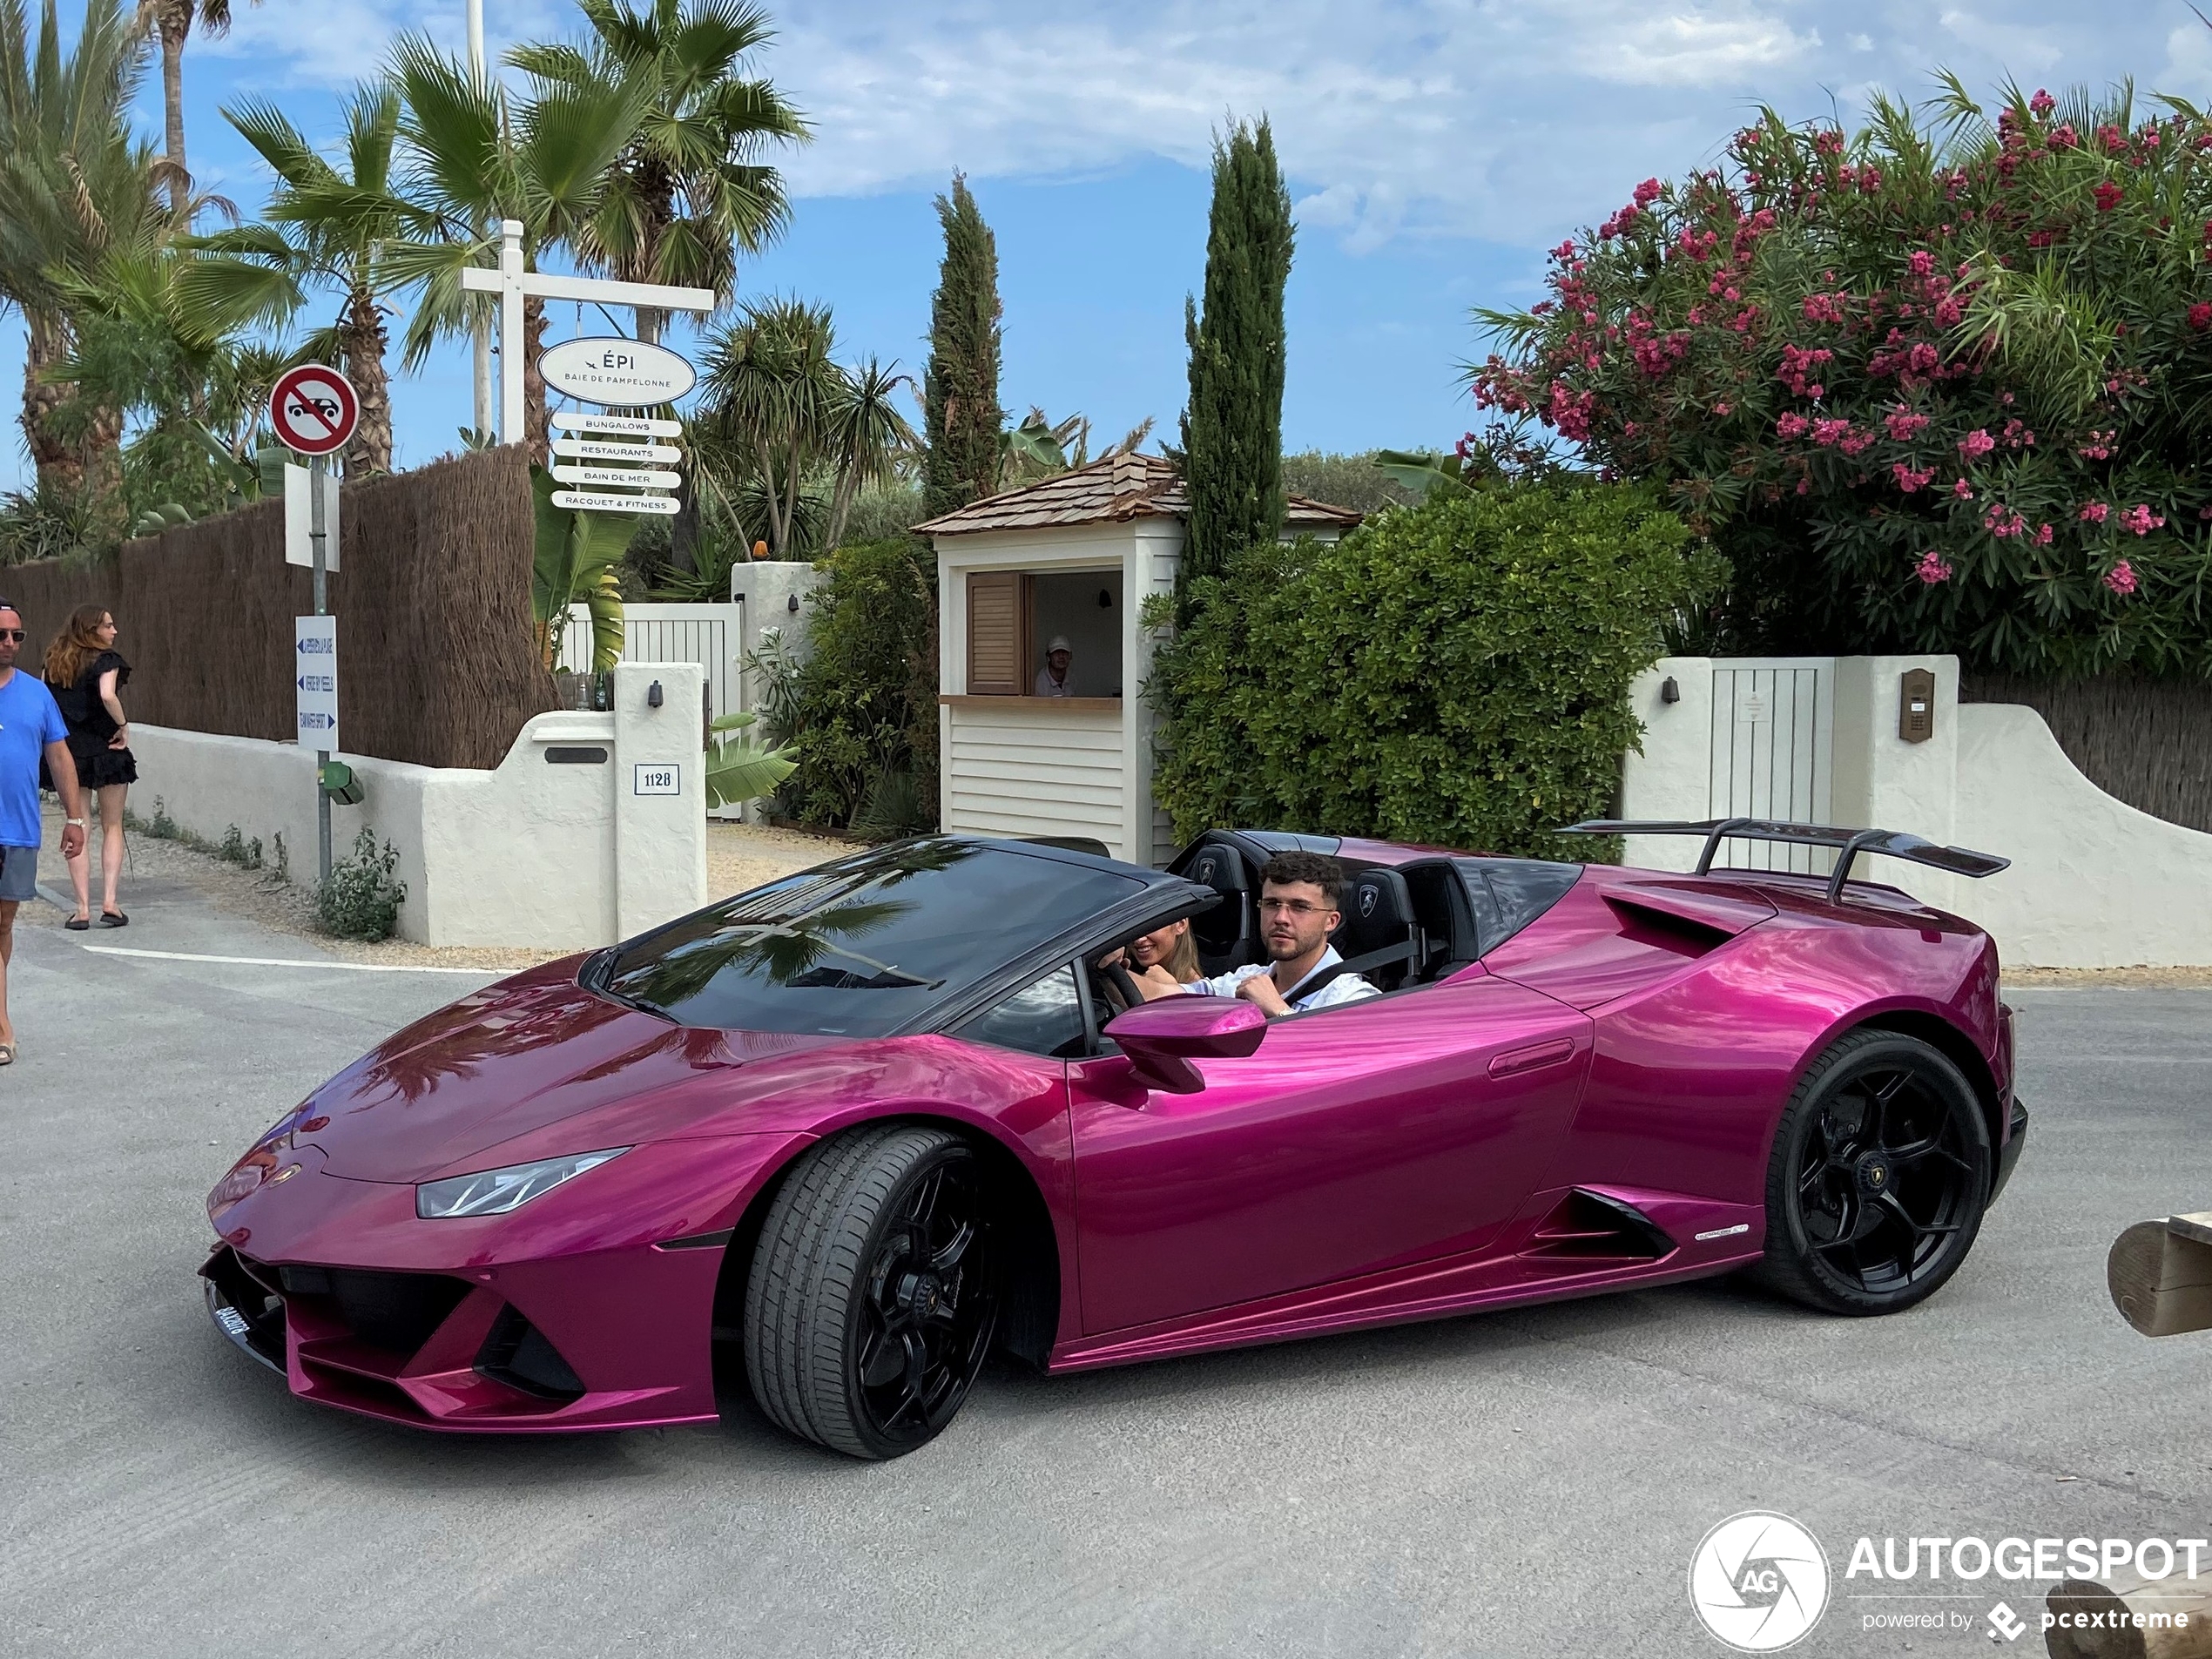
pixel 961 386
pixel 1232 429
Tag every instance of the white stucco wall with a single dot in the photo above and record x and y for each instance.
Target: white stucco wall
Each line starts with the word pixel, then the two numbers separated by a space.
pixel 531 854
pixel 2093 882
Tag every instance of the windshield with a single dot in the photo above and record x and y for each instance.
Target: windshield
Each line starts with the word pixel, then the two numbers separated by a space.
pixel 860 947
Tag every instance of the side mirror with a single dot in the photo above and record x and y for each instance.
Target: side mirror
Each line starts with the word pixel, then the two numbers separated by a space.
pixel 1162 1038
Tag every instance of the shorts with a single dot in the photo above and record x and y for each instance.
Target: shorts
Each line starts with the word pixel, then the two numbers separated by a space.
pixel 18 873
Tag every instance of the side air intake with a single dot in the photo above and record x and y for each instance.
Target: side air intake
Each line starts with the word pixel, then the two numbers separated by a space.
pixel 1585 1226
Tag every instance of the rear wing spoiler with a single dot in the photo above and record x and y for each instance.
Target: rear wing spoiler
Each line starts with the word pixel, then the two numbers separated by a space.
pixel 1848 844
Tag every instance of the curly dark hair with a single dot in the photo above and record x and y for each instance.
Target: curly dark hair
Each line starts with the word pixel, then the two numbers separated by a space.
pixel 1319 868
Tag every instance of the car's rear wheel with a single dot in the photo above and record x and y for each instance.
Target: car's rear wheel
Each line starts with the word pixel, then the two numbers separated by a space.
pixel 874 1291
pixel 1879 1176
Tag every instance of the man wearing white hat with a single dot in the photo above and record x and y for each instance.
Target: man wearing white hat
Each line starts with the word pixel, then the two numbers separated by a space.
pixel 1052 678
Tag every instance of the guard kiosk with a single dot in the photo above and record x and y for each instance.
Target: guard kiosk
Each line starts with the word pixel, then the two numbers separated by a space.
pixel 1072 558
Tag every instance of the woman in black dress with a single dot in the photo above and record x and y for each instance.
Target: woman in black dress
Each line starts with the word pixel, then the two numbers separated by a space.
pixel 86 675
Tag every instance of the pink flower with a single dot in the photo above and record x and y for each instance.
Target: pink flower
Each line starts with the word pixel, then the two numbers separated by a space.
pixel 1908 479
pixel 2063 137
pixel 1831 431
pixel 2121 579
pixel 1792 425
pixel 1976 442
pixel 1823 308
pixel 2095 513
pixel 2140 519
pixel 1923 262
pixel 1647 192
pixel 1963 490
pixel 2107 195
pixel 1902 424
pixel 2002 521
pixel 2042 104
pixel 2042 536
pixel 2201 316
pixel 1932 568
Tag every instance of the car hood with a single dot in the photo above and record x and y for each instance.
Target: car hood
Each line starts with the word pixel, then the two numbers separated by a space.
pixel 535 1066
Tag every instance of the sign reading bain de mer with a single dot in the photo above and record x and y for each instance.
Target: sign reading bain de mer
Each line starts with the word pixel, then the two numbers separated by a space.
pixel 612 370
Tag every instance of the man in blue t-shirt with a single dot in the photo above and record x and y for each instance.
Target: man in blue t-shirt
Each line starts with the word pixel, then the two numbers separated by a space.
pixel 30 724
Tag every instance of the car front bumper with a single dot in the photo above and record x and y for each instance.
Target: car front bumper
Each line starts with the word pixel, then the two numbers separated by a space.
pixel 591 1308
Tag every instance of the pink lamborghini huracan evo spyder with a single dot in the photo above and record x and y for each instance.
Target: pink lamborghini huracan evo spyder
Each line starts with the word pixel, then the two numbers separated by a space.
pixel 845 1136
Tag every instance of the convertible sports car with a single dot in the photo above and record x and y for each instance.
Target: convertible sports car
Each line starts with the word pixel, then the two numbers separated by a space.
pixel 845 1136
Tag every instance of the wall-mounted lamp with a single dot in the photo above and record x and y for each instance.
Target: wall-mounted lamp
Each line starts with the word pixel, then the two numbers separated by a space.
pixel 1105 599
pixel 792 604
pixel 653 695
pixel 1669 692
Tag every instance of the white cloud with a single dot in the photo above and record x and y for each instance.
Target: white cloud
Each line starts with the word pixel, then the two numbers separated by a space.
pixel 1494 118
pixel 1693 48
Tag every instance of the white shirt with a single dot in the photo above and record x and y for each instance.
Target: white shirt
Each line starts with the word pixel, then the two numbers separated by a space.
pixel 1346 987
pixel 1048 686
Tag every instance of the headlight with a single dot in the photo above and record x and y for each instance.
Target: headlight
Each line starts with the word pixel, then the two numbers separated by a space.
pixel 493 1192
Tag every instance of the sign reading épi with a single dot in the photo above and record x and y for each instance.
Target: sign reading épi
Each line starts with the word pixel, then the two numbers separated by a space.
pixel 314 661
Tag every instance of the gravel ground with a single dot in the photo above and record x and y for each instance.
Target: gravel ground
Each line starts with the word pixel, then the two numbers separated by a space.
pixel 738 856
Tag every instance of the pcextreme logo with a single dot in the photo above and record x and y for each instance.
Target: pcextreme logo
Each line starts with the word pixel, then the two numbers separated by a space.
pixel 1759 1581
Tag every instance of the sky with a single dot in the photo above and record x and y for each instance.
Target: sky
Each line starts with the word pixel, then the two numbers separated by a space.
pixel 1433 149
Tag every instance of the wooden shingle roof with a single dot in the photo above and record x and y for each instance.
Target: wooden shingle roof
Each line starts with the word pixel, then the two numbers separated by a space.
pixel 1117 487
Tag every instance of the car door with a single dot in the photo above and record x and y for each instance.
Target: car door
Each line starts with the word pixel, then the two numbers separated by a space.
pixel 1360 1138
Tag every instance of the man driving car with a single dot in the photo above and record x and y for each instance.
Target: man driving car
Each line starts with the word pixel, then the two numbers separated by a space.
pixel 1301 898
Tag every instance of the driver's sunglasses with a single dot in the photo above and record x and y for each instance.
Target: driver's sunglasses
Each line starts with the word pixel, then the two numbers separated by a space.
pixel 1291 907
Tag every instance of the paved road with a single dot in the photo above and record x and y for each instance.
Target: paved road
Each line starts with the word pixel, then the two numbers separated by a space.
pixel 1517 1484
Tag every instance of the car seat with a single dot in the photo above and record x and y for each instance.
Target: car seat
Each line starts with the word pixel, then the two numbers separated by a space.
pixel 1378 937
pixel 1227 936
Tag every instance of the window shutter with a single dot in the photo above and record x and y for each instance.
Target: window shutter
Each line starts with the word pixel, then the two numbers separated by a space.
pixel 994 634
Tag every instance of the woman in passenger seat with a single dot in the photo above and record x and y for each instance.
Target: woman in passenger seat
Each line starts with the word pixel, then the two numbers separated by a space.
pixel 1161 963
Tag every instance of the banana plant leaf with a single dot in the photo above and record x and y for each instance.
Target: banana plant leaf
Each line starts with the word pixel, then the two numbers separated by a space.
pixel 576 556
pixel 737 771
pixel 1416 469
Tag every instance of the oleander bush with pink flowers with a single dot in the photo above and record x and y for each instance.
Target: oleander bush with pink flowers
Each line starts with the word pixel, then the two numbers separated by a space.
pixel 1942 384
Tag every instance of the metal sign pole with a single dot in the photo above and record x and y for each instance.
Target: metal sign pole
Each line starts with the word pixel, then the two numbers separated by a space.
pixel 318 469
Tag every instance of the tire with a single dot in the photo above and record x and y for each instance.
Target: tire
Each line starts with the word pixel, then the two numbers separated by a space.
pixel 874 1291
pixel 1879 1178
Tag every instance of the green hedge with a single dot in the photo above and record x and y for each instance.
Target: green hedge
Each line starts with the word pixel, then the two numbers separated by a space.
pixel 860 713
pixel 1454 673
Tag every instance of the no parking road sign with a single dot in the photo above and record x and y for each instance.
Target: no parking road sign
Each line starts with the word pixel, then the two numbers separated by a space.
pixel 314 409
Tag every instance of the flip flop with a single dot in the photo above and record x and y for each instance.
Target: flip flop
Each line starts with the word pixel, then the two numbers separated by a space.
pixel 114 919
pixel 77 924
pixel 7 1054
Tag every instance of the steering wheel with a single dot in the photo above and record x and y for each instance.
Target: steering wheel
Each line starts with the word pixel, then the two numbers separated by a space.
pixel 1124 986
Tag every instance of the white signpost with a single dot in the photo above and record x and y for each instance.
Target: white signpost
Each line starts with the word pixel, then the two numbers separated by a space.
pixel 313 410
pixel 314 652
pixel 511 283
pixel 298 519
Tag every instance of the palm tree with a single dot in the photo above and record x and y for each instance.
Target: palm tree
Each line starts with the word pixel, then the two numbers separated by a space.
pixel 173 22
pixel 323 226
pixel 867 436
pixel 688 190
pixel 472 157
pixel 74 184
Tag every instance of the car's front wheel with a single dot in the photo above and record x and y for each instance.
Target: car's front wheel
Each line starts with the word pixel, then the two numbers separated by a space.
pixel 1879 1176
pixel 874 1294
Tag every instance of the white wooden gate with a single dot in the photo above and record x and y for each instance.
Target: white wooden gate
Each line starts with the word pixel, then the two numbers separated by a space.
pixel 1773 753
pixel 709 634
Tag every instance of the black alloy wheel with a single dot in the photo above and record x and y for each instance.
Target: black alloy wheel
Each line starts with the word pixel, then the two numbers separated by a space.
pixel 1879 1176
pixel 874 1292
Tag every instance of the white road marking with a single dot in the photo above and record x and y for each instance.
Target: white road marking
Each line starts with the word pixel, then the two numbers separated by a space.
pixel 285 961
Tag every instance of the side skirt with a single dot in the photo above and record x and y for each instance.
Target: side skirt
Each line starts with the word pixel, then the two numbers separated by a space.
pixel 1536 1269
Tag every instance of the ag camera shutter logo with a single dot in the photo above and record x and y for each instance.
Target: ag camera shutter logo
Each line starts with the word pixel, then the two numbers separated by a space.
pixel 1759 1581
